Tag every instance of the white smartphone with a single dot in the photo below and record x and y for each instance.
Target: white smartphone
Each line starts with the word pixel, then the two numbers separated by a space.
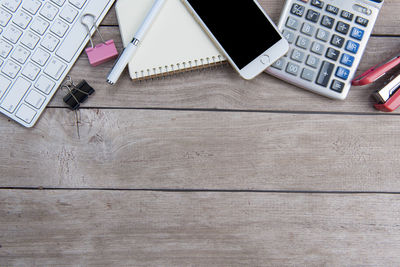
pixel 242 31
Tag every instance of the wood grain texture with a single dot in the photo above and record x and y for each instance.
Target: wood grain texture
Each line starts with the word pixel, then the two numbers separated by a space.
pixel 86 228
pixel 203 150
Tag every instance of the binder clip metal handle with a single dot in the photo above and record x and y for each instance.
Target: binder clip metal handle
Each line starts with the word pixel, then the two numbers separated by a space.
pixel 101 53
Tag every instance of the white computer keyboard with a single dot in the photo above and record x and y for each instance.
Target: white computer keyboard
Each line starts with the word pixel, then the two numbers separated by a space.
pixel 40 40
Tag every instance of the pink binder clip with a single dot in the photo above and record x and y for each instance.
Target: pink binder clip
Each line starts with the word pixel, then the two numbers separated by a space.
pixel 100 53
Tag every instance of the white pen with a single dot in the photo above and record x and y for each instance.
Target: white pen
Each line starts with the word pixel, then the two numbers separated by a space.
pixel 129 51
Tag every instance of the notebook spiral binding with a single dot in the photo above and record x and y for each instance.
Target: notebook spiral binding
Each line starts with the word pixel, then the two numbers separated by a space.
pixel 173 69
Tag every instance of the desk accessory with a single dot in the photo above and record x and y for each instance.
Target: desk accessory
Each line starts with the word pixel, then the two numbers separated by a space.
pixel 327 41
pixel 175 43
pixel 77 94
pixel 388 97
pixel 100 53
pixel 130 50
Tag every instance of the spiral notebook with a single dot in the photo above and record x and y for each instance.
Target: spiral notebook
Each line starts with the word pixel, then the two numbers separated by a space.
pixel 174 43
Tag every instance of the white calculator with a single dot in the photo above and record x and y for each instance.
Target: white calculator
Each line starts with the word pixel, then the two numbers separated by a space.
pixel 327 39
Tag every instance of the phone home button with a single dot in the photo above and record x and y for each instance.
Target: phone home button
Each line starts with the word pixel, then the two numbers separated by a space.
pixel 264 59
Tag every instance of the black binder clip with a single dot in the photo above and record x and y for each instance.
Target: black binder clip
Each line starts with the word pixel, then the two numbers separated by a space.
pixel 77 94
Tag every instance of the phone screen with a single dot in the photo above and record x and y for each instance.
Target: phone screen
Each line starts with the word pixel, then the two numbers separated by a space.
pixel 239 26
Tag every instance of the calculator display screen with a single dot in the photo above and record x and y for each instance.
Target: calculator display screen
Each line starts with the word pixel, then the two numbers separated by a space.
pixel 239 26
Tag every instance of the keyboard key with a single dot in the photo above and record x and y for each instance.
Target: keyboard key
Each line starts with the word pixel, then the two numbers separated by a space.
pixel 332 54
pixel 342 27
pixel 31 71
pixel 322 35
pixel 317 48
pixel 49 11
pixel 4 17
pixel 362 21
pixel 44 84
pixel 297 10
pixel 312 61
pixel 312 15
pixel 337 41
pixel 298 55
pixel 352 47
pixel 26 113
pixel 342 73
pixel 337 86
pixel 4 84
pixel 22 19
pixel 308 29
pixel 327 22
pixel 35 99
pixel 11 69
pixel 292 23
pixel 307 75
pixel 58 2
pixel 303 42
pixel 30 40
pixel 292 69
pixel 325 74
pixel 15 94
pixel 50 42
pixel 357 33
pixel 39 25
pixel 5 48
pixel 20 54
pixel 289 36
pixel 12 34
pixel 317 3
pixel 68 14
pixel 11 5
pixel 279 64
pixel 332 9
pixel 78 3
pixel 347 15
pixel 59 28
pixel 32 6
pixel 40 57
pixel 347 60
pixel 55 68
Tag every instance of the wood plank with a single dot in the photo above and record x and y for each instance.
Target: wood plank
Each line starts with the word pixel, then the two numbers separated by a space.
pixel 222 88
pixel 386 24
pixel 92 228
pixel 203 150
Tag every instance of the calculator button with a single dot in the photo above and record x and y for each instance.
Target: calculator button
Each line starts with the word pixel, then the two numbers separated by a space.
pixel 322 35
pixel 337 86
pixel 292 69
pixel 312 15
pixel 298 55
pixel 312 61
pixel 362 21
pixel 342 73
pixel 317 48
pixel 292 23
pixel 297 10
pixel 303 42
pixel 347 60
pixel 357 33
pixel 352 47
pixel 279 64
pixel 308 29
pixel 337 41
pixel 347 15
pixel 332 54
pixel 342 27
pixel 289 36
pixel 325 73
pixel 327 22
pixel 307 74
pixel 332 9
pixel 317 3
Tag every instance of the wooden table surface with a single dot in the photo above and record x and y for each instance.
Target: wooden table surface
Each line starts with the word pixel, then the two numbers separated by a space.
pixel 205 169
